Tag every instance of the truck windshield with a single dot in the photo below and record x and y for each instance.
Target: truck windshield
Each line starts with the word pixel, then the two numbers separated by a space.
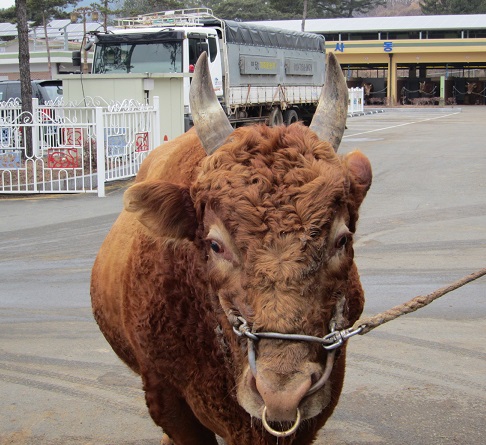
pixel 138 58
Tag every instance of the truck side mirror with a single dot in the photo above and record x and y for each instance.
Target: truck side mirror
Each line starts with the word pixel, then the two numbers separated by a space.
pixel 76 57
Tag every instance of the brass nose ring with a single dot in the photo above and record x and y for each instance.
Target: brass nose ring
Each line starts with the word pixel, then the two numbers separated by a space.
pixel 276 433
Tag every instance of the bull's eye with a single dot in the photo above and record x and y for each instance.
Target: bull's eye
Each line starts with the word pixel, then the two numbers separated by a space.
pixel 216 247
pixel 342 240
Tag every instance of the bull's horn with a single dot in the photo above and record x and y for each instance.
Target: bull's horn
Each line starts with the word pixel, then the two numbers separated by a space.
pixel 329 120
pixel 211 122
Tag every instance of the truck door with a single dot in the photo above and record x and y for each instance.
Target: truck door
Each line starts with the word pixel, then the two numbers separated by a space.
pixel 199 43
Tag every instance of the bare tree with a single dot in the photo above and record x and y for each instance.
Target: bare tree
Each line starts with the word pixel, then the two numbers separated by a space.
pixel 48 47
pixel 41 11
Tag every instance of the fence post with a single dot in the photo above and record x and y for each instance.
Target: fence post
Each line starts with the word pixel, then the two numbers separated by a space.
pixel 351 101
pixel 100 150
pixel 36 126
pixel 156 123
pixel 361 99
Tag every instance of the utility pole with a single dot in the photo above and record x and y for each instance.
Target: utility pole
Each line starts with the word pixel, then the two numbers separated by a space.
pixel 84 12
pixel 304 15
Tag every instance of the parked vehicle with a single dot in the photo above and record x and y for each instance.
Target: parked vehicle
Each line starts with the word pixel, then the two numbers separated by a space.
pixel 48 92
pixel 44 90
pixel 259 73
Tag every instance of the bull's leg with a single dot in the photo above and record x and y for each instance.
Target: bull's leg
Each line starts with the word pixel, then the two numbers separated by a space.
pixel 174 415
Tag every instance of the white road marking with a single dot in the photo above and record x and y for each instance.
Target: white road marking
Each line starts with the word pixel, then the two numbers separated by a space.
pixel 400 125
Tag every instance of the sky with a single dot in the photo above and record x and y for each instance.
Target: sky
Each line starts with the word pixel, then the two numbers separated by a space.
pixel 4 4
pixel 8 3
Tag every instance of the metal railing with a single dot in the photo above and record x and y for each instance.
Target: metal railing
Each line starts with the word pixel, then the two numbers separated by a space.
pixel 74 148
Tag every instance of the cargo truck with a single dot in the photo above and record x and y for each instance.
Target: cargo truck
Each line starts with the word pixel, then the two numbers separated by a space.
pixel 258 73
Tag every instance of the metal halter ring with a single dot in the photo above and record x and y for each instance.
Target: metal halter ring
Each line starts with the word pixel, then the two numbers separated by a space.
pixel 331 341
pixel 276 433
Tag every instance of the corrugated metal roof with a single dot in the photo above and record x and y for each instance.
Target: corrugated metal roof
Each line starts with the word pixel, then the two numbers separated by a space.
pixel 58 24
pixel 75 30
pixel 78 27
pixel 8 30
pixel 56 28
pixel 377 24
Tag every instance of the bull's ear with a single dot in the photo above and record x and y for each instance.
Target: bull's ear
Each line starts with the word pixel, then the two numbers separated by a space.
pixel 164 208
pixel 359 168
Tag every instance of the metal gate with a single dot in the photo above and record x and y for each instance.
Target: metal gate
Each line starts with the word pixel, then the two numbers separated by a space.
pixel 355 101
pixel 76 147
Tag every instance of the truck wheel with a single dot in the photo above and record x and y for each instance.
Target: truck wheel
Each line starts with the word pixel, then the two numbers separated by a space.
pixel 290 116
pixel 275 117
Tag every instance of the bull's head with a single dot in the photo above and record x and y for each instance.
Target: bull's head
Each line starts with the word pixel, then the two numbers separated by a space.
pixel 368 88
pixel 471 87
pixel 272 214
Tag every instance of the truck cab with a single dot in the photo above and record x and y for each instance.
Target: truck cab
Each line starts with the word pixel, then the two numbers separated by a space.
pixel 158 50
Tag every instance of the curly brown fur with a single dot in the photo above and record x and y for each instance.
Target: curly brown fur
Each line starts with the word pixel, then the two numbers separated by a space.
pixel 263 229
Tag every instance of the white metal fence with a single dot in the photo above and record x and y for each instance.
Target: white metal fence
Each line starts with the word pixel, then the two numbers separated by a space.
pixel 356 101
pixel 76 147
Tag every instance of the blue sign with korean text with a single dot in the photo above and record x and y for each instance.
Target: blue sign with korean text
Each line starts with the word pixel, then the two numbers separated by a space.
pixel 339 47
pixel 388 47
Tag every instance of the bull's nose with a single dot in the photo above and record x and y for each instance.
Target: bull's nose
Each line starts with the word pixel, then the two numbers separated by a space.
pixel 281 399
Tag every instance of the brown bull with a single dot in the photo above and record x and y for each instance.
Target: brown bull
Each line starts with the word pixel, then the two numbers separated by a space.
pixel 228 233
pixel 427 89
pixel 471 87
pixel 368 89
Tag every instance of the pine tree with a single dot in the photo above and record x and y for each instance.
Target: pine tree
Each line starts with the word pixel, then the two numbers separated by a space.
pixel 347 8
pixel 441 7
pixel 24 69
pixel 246 10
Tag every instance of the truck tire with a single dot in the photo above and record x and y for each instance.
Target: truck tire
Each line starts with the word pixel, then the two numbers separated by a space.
pixel 275 117
pixel 290 116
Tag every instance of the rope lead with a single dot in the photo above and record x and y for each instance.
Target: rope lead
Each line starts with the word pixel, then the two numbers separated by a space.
pixel 412 305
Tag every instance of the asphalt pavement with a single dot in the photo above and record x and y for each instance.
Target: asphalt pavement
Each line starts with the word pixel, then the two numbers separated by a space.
pixel 420 379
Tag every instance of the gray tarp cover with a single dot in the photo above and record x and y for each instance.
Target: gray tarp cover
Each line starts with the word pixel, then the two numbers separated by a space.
pixel 256 35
